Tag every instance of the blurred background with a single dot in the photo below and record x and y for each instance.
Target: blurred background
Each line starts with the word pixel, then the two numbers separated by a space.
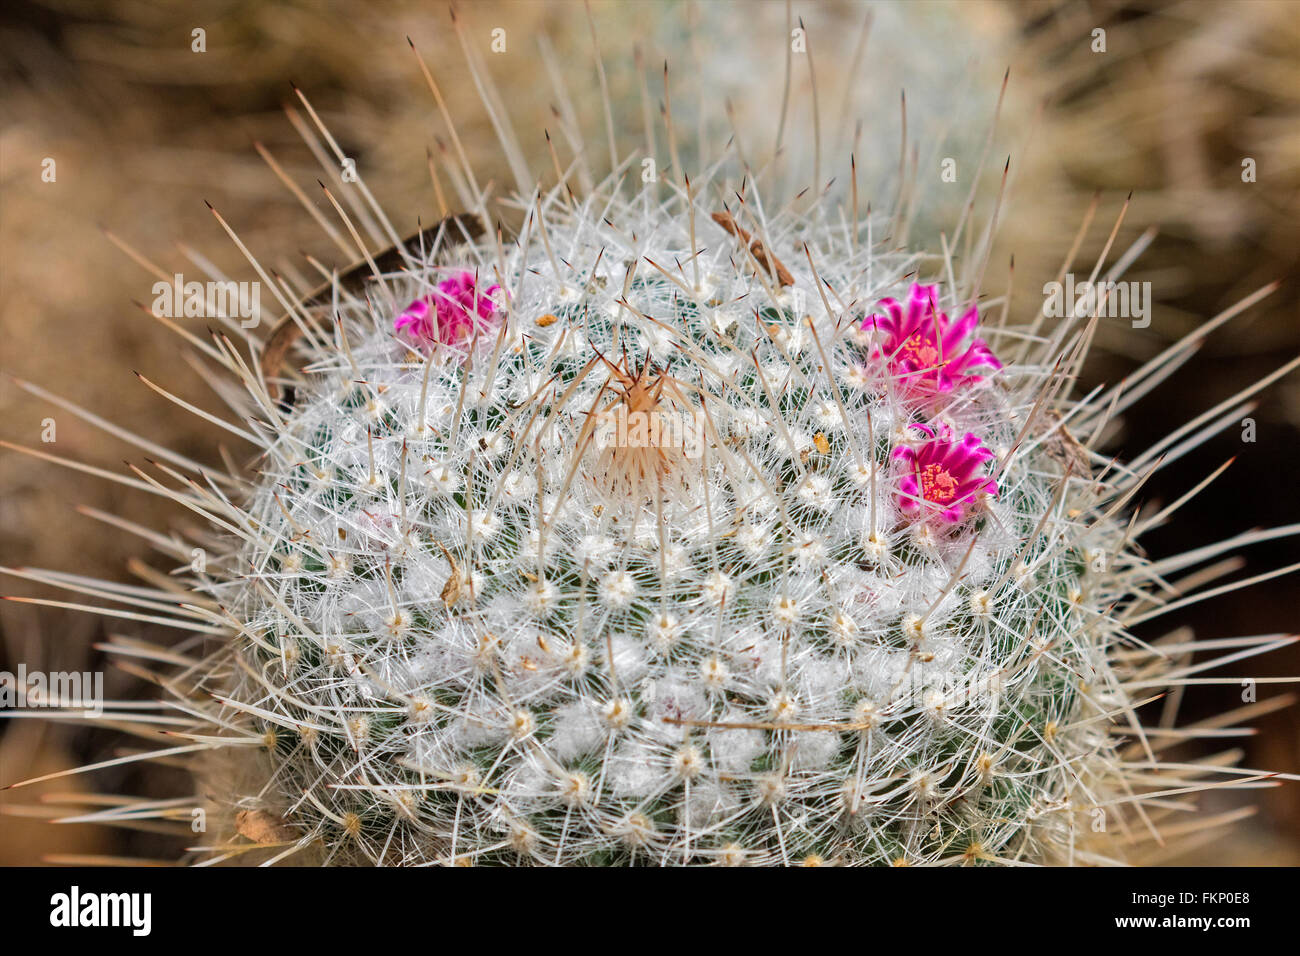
pixel 142 128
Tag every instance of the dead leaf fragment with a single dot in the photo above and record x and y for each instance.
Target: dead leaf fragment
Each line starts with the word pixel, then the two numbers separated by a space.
pixel 263 827
pixel 766 259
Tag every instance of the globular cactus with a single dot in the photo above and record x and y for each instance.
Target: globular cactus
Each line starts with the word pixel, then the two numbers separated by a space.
pixel 671 564
pixel 685 525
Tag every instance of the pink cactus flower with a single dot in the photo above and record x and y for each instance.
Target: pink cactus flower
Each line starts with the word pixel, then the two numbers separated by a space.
pixel 451 313
pixel 941 477
pixel 924 348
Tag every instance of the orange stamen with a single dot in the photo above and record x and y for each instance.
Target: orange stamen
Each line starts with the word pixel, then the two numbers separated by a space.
pixel 922 350
pixel 937 485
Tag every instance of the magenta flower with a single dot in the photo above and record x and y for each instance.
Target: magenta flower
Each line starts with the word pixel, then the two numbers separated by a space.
pixel 941 476
pixel 451 313
pixel 924 348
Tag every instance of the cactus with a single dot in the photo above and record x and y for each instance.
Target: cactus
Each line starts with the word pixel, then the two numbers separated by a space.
pixel 686 525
